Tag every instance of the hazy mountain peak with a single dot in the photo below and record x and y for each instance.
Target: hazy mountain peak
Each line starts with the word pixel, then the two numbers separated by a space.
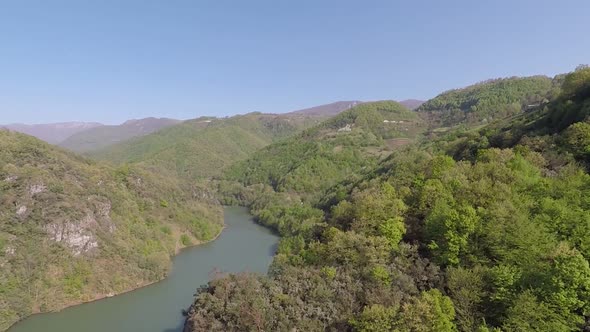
pixel 327 109
pixel 53 133
pixel 101 137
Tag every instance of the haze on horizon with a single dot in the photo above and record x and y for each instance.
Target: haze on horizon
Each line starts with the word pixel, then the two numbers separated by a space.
pixel 110 61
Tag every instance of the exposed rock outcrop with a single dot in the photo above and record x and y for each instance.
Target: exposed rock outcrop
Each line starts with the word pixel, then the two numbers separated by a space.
pixel 78 236
pixel 11 178
pixel 37 189
pixel 21 211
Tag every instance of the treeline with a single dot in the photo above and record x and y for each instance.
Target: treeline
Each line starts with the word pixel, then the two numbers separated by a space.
pixel 477 230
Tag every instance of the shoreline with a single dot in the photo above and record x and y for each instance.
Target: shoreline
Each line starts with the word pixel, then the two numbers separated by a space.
pixel 106 297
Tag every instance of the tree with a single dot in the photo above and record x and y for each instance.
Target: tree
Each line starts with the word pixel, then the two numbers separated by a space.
pixel 431 312
pixel 569 288
pixel 375 318
pixel 528 314
pixel 449 228
pixel 577 138
pixel 576 85
pixel 466 289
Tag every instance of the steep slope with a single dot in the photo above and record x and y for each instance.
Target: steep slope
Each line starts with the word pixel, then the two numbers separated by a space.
pixel 103 136
pixel 53 133
pixel 327 110
pixel 72 230
pixel 203 147
pixel 426 242
pixel 488 101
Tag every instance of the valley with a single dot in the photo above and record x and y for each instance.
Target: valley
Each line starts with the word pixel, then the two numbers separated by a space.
pixel 464 214
pixel 294 166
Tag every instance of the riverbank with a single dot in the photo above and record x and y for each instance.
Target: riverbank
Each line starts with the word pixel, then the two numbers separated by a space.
pixel 241 245
pixel 138 287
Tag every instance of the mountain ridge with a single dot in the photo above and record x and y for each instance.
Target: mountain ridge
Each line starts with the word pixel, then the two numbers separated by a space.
pixel 52 133
pixel 97 138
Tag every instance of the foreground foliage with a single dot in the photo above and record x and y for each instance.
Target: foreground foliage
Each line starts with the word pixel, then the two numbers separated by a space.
pixel 476 230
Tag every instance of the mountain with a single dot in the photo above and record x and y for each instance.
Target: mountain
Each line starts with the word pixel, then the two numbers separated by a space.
pixel 52 133
pixel 73 230
pixel 412 104
pixel 203 147
pixel 100 137
pixel 481 229
pixel 327 110
pixel 488 101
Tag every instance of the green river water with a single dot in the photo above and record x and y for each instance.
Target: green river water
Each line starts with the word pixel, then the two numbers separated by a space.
pixel 243 246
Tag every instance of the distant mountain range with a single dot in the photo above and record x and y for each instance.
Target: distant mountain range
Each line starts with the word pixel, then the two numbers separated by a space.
pixel 85 137
pixel 53 133
pixel 90 136
pixel 103 136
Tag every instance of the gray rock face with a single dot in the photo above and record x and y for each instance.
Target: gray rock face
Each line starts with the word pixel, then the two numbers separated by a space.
pixel 77 236
pixel 21 211
pixel 37 189
pixel 11 178
pixel 80 236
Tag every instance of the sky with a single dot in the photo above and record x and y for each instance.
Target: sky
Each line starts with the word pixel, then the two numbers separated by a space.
pixel 113 60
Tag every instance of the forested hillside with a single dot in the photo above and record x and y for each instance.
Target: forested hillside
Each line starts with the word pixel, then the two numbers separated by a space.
pixel 72 230
pixel 485 229
pixel 487 101
pixel 316 159
pixel 202 147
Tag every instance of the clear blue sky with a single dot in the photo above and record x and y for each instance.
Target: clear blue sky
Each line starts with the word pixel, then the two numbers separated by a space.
pixel 111 60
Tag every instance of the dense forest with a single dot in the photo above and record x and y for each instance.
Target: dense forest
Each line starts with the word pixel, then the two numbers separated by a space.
pixel 487 101
pixel 477 228
pixel 73 230
pixel 320 157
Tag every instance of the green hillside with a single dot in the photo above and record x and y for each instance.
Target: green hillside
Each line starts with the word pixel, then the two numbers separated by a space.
pixel 202 147
pixel 547 128
pixel 479 230
pixel 336 149
pixel 72 230
pixel 488 101
pixel 100 137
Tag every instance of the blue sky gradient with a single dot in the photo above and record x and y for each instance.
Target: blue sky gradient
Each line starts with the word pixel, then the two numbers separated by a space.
pixel 109 61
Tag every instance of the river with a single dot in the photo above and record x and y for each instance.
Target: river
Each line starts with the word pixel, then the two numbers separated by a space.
pixel 242 246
